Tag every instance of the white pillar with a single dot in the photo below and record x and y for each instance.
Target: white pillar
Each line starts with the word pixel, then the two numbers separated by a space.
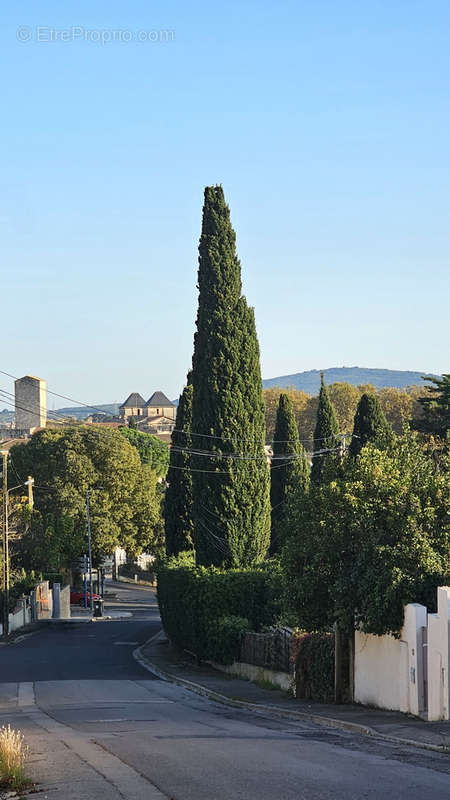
pixel 439 657
pixel 56 601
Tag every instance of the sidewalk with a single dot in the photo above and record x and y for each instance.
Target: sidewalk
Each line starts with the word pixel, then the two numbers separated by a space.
pixel 178 667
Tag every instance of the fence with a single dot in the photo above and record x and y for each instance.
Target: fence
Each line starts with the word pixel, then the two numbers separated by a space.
pixel 40 605
pixel 272 650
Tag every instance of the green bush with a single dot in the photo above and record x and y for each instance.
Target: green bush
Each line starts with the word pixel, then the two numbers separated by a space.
pixel 21 584
pixel 225 638
pixel 192 601
pixel 314 666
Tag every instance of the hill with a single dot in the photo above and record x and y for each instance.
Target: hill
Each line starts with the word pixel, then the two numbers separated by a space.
pixel 81 412
pixel 309 381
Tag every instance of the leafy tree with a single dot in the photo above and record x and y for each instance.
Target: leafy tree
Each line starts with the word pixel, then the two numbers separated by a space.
pixel 68 462
pixel 152 450
pixel 178 510
pixel 371 541
pixel 299 401
pixel 326 437
pixel 289 472
pixel 370 425
pixel 344 398
pixel 132 424
pixel 436 407
pixel 230 478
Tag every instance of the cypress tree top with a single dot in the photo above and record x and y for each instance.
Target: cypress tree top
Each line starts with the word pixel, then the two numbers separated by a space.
pixel 370 425
pixel 326 434
pixel 230 478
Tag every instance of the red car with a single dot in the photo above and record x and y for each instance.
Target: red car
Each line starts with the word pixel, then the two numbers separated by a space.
pixel 77 597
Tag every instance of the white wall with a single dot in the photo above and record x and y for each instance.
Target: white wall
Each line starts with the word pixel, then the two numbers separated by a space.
pixel 21 616
pixel 389 671
pixel 439 657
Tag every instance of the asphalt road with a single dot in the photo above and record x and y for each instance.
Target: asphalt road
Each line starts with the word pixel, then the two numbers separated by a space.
pixel 100 725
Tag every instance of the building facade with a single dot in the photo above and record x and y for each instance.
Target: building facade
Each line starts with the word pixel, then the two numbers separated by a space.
pixel 157 407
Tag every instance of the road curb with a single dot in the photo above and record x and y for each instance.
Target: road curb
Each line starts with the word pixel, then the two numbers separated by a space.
pixel 329 722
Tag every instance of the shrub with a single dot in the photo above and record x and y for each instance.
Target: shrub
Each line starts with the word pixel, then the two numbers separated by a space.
pixel 193 599
pixel 225 637
pixel 13 754
pixel 314 666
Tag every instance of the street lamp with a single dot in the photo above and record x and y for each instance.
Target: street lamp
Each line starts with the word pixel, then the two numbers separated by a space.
pixel 6 491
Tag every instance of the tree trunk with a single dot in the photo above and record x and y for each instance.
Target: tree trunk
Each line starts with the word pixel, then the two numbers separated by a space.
pixel 351 667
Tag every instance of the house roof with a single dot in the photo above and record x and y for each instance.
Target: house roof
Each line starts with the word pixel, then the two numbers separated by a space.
pixel 134 400
pixel 158 399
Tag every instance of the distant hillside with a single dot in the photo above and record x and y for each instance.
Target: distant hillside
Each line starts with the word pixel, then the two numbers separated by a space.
pixel 81 412
pixel 309 381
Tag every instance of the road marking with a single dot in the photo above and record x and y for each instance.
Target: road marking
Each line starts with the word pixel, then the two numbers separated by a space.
pixel 131 644
pixel 25 695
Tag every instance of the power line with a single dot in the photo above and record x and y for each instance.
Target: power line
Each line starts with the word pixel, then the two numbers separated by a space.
pixel 9 398
pixel 14 405
pixel 316 454
pixel 62 396
pixel 236 438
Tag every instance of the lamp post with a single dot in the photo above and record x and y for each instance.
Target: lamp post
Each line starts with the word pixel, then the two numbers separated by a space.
pixel 5 535
pixel 88 514
pixel 91 594
pixel 5 546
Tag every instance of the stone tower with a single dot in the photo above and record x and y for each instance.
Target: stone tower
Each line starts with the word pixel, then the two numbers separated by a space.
pixel 30 402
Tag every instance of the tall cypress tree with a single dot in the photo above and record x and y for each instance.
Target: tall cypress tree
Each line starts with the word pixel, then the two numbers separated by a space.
pixel 231 476
pixel 326 437
pixel 178 523
pixel 289 475
pixel 370 425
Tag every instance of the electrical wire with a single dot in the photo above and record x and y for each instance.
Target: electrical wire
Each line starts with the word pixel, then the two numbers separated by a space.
pixel 235 439
pixel 177 430
pixel 62 396
pixel 11 402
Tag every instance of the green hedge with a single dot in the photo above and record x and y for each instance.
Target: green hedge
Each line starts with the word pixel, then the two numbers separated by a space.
pixel 314 666
pixel 206 610
pixel 225 636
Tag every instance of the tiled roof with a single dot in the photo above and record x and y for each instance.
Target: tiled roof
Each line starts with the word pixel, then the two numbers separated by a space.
pixel 134 400
pixel 159 399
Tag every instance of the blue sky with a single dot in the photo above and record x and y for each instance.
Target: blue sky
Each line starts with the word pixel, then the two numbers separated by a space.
pixel 328 126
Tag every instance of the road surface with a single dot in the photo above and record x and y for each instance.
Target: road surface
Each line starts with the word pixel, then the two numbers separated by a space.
pixel 101 726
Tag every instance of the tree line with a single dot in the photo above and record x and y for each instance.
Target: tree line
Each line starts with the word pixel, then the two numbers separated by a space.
pixel 359 523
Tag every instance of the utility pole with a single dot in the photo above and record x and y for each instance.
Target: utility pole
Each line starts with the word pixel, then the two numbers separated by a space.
pixel 30 483
pixel 5 545
pixel 91 591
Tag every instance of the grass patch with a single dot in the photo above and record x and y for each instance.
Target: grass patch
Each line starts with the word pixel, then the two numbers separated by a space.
pixel 13 755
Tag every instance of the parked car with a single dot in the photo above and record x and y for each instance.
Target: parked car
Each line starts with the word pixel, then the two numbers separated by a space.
pixel 77 597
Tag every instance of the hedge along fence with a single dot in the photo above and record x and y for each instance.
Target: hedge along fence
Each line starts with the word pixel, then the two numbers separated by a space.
pixel 313 655
pixel 272 649
pixel 207 610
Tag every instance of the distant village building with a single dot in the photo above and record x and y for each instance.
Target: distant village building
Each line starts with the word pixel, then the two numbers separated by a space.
pixel 157 415
pixel 30 403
